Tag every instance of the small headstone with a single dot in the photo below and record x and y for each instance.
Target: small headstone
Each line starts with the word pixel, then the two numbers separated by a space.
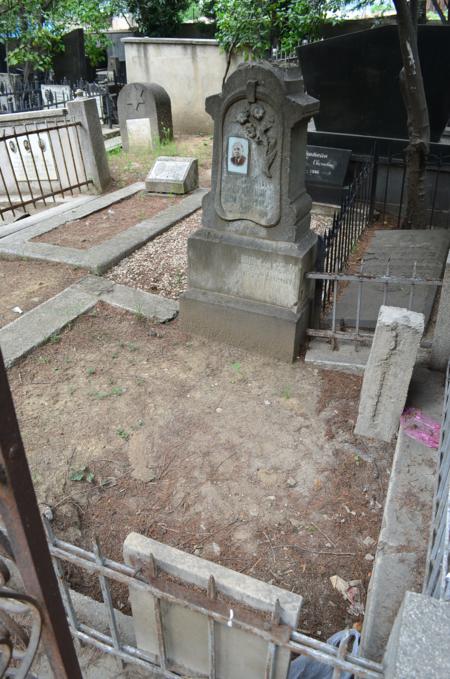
pixel 173 175
pixel 326 165
pixel 145 115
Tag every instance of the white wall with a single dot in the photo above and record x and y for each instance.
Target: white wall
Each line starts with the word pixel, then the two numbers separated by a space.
pixel 189 70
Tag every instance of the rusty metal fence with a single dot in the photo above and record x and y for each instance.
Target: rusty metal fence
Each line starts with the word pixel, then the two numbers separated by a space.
pixel 437 578
pixel 39 161
pixel 326 320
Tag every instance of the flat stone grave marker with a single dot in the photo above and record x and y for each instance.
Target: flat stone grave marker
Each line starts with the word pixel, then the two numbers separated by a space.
pixel 145 115
pixel 173 175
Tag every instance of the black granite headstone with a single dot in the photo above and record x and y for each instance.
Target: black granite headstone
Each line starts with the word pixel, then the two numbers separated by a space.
pixel 356 79
pixel 326 165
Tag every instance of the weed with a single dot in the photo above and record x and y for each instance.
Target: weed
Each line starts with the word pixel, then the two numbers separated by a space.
pixel 132 347
pixel 91 371
pixel 286 393
pixel 236 367
pixel 115 391
pixel 357 459
pixel 117 151
pixel 122 433
pixel 54 338
pixel 43 360
pixel 83 474
pixel 139 315
pixel 115 354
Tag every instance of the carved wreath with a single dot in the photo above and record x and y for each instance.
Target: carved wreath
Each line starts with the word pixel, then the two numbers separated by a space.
pixel 257 126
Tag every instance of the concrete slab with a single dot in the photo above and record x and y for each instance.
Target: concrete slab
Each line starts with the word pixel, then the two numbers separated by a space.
pixel 345 358
pixel 99 258
pixel 388 372
pixel 38 325
pixel 238 653
pixel 403 540
pixel 426 247
pixel 419 646
pixel 77 208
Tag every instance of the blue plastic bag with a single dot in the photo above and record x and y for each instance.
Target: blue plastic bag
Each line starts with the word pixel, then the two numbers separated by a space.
pixel 307 668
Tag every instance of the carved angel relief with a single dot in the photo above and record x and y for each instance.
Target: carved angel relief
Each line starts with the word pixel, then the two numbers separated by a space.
pixel 257 127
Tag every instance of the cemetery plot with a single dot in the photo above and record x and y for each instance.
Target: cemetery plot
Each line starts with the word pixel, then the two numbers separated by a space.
pixel 243 460
pixel 106 223
pixel 26 284
pixel 160 266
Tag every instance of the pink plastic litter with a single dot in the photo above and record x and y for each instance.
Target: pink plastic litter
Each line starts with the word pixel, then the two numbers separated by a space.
pixel 420 427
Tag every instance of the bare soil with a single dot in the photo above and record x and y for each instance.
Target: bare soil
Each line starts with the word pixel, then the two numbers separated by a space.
pixel 238 458
pixel 26 284
pixel 104 224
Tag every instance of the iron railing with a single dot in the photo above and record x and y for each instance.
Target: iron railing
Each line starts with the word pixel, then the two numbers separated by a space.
pixel 437 578
pixel 348 225
pixel 36 96
pixel 39 161
pixel 327 294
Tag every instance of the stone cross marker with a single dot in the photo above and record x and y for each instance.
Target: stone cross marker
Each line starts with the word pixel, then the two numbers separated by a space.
pixel 145 115
pixel 247 264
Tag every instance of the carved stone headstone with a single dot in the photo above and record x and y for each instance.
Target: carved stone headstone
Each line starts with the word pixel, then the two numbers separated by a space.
pixel 247 263
pixel 145 115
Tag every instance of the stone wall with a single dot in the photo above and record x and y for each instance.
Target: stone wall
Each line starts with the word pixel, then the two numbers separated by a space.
pixel 189 70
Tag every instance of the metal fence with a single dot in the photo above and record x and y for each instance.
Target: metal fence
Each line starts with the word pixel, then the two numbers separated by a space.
pixel 437 578
pixel 327 295
pixel 349 223
pixel 38 162
pixel 35 96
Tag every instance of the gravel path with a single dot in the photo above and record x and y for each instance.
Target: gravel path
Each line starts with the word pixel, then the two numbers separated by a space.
pixel 161 265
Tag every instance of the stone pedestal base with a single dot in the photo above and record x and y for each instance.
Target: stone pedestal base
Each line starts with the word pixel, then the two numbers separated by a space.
pixel 249 292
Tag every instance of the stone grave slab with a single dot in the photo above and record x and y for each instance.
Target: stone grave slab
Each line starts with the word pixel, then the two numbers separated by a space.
pixel 145 115
pixel 173 175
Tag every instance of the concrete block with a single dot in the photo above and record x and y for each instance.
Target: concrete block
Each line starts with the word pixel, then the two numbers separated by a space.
pixel 238 653
pixel 91 140
pixel 173 175
pixel 405 530
pixel 419 644
pixel 440 350
pixel 388 372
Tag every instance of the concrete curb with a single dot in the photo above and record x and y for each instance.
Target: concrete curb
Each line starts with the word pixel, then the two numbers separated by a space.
pixel 35 327
pixel 100 257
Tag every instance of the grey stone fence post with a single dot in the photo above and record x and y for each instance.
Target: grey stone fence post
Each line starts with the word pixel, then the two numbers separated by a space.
pixel 440 350
pixel 91 141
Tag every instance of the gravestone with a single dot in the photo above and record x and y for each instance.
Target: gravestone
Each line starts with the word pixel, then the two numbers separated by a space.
pixel 145 115
pixel 172 174
pixel 326 173
pixel 247 264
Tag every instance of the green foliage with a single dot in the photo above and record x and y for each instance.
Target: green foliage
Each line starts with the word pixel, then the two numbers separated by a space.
pixel 33 29
pixel 83 474
pixel 158 18
pixel 255 26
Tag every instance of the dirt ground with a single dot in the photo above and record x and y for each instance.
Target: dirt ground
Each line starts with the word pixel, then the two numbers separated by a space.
pixel 240 459
pixel 106 223
pixel 25 284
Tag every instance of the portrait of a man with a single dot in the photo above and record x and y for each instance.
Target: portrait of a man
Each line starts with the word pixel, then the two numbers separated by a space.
pixel 237 155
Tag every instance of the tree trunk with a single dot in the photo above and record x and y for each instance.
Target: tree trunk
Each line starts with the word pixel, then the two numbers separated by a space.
pixel 413 93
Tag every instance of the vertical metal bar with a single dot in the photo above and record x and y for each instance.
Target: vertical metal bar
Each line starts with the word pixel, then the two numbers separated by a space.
pixel 358 301
pixel 411 293
pixel 20 513
pixel 7 194
pixel 80 150
pixel 435 190
pixel 46 166
pixel 160 634
pixel 107 599
pixel 211 631
pixel 401 194
pixel 272 647
pixel 373 181
pixel 64 159
pixel 71 153
pixel 386 284
pixel 34 165
pixel 388 170
pixel 25 169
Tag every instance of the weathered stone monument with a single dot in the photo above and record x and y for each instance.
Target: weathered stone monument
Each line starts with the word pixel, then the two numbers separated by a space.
pixel 247 264
pixel 145 115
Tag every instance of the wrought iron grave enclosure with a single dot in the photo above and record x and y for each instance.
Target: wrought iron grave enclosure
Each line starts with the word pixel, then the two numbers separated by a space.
pixel 39 161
